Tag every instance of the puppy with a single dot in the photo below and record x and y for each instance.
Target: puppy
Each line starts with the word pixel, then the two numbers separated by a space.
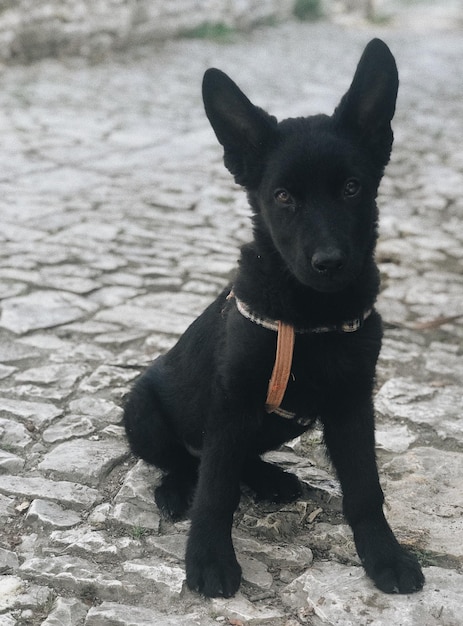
pixel 300 314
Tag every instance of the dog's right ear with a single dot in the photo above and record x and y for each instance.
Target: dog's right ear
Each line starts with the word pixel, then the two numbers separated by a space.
pixel 244 130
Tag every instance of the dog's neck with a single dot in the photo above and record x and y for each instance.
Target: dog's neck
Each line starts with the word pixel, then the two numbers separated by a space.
pixel 269 289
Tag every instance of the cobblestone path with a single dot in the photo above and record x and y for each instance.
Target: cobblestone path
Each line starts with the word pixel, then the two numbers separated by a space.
pixel 118 224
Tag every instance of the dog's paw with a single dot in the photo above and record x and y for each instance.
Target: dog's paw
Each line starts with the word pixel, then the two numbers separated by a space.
pixel 272 484
pixel 173 497
pixel 213 575
pixel 391 567
pixel 400 573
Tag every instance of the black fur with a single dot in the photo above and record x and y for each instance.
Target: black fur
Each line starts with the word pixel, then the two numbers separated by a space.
pixel 312 184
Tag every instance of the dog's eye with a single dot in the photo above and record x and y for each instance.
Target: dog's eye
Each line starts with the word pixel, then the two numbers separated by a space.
pixel 351 188
pixel 283 197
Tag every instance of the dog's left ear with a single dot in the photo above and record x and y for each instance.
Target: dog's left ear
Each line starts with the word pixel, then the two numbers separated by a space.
pixel 369 105
pixel 244 130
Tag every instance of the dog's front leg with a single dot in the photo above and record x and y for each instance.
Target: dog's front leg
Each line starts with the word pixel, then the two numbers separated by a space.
pixel 211 565
pixel 350 442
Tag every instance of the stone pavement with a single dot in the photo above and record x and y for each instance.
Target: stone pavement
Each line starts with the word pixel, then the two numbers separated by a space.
pixel 118 224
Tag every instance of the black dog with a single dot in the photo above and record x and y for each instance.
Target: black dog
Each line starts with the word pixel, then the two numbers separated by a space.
pixel 200 411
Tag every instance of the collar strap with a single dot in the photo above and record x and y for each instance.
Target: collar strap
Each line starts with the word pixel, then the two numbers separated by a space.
pixel 345 327
pixel 281 368
pixel 285 348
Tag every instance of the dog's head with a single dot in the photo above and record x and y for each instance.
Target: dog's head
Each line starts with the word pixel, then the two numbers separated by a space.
pixel 312 182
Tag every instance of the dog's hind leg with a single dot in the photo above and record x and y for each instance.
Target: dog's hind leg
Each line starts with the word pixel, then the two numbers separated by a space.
pixel 269 482
pixel 152 438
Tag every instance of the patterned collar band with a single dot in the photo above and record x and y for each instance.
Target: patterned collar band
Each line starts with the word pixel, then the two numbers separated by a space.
pixel 345 327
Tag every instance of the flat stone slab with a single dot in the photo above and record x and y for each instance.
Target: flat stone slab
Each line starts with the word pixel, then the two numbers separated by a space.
pixel 10 462
pixel 10 588
pixel 84 542
pixel 39 413
pixel 68 427
pixel 9 561
pixel 85 461
pixel 127 615
pixel 239 608
pixel 71 494
pixel 165 579
pixel 136 518
pixel 342 596
pixel 66 612
pixel 43 309
pixel 61 375
pixel 51 515
pixel 291 555
pixel 138 486
pixel 424 493
pixel 419 403
pixel 13 434
pixel 76 575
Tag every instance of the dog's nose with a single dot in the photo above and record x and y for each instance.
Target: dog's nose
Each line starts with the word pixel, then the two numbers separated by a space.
pixel 328 261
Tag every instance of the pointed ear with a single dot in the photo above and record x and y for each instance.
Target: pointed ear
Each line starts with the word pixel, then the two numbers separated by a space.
pixel 369 105
pixel 244 130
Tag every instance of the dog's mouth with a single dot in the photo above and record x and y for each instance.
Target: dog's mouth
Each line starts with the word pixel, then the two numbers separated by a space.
pixel 327 284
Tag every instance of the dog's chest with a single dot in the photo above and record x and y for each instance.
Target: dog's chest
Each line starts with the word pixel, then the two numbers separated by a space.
pixel 318 368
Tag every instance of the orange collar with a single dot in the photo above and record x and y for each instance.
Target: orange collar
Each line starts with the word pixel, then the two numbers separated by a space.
pixel 281 368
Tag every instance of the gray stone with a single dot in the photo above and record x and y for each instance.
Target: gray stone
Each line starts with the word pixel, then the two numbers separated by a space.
pixel 133 516
pixel 13 435
pixel 45 342
pixel 42 309
pixel 342 595
pixel 255 572
pixel 81 352
pixel 423 493
pixel 445 360
pixel 66 612
pixel 83 542
pixel 138 485
pixel 291 555
pixel 127 615
pixel 6 507
pixel 10 588
pixel 69 427
pixel 97 407
pixel 321 481
pixel 168 545
pixel 54 393
pixel 63 375
pixel 251 614
pixel 438 407
pixel 86 461
pixel 107 376
pixel 165 579
pixel 68 493
pixel 99 515
pixel 50 515
pixel 6 370
pixel 9 561
pixel 335 541
pixel 76 575
pixel 394 438
pixel 10 462
pixel 39 413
